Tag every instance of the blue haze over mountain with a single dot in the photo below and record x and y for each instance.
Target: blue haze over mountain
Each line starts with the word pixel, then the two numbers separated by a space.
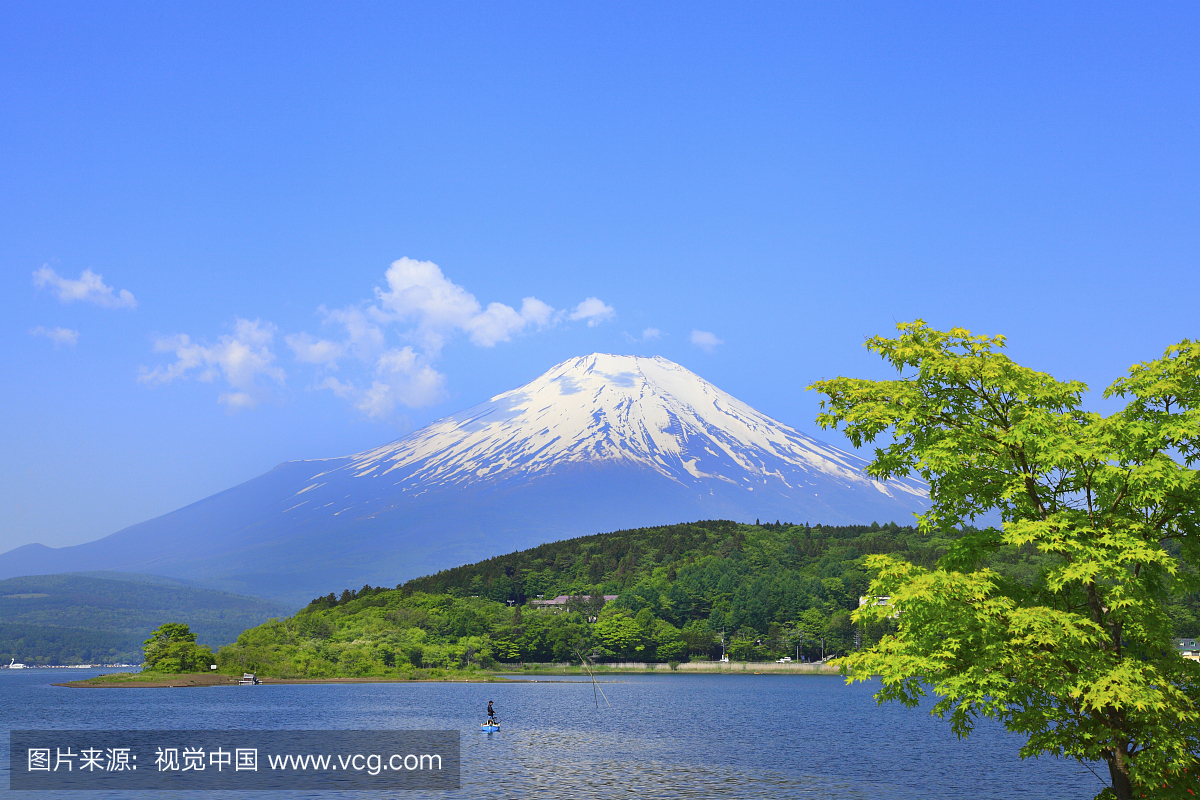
pixel 597 443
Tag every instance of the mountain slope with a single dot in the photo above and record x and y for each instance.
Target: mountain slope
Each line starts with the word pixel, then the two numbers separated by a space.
pixel 103 617
pixel 599 442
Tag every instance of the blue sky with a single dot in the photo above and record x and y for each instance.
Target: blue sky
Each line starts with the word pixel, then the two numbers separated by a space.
pixel 202 207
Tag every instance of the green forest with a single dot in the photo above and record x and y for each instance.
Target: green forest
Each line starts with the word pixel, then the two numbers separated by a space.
pixel 772 590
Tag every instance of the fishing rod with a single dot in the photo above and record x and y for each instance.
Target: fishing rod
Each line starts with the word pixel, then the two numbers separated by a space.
pixel 584 663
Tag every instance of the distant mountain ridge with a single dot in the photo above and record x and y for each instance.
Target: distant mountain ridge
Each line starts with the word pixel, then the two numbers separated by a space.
pixel 599 442
pixel 103 617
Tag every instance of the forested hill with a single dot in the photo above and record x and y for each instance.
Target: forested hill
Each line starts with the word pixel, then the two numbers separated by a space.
pixel 771 590
pixel 811 565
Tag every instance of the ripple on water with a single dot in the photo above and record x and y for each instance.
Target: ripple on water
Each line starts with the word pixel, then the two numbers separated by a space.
pixel 663 736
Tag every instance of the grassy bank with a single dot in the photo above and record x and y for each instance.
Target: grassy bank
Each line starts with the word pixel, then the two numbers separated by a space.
pixel 149 679
pixel 159 680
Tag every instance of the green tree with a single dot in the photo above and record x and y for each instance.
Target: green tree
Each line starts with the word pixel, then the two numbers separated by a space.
pixel 172 648
pixel 699 639
pixel 839 633
pixel 621 635
pixel 810 631
pixel 1075 655
pixel 668 644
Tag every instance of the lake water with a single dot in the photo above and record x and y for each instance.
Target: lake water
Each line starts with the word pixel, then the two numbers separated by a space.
pixel 664 736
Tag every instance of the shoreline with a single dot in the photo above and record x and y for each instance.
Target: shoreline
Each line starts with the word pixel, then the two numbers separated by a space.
pixel 200 680
pixel 539 673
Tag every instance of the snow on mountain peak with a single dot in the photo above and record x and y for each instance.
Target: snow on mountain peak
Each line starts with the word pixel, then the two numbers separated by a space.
pixel 649 413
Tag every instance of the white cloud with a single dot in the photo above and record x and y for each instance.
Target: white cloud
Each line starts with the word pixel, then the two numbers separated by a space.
pixel 59 336
pixel 239 359
pixel 310 350
pixel 237 400
pixel 340 388
pixel 497 324
pixel 90 288
pixel 537 313
pixel 594 310
pixel 705 340
pixel 401 378
pixel 398 377
pixel 365 338
pixel 418 292
pixel 418 289
pixel 648 335
pixel 424 308
pixel 418 303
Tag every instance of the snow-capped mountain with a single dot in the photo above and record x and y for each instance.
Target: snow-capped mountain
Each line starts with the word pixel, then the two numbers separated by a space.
pixel 643 413
pixel 598 443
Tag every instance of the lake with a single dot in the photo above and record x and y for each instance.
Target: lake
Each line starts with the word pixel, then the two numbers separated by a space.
pixel 664 736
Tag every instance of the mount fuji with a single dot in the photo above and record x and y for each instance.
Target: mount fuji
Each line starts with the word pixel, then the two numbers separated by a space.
pixel 601 442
